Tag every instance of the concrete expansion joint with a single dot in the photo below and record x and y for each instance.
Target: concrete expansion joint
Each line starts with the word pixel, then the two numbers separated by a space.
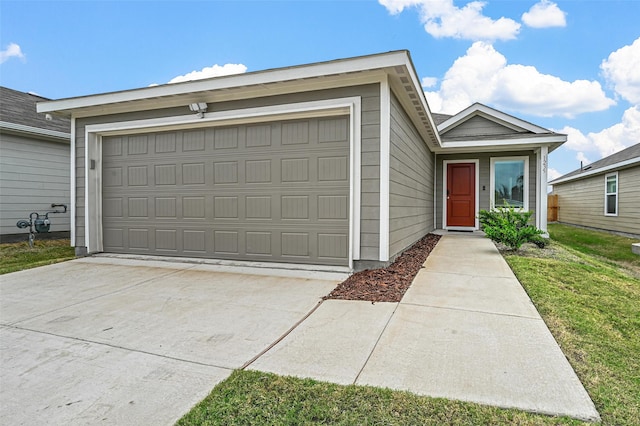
pixel 279 339
pixel 468 275
pixel 449 308
pixel 124 348
pixel 376 344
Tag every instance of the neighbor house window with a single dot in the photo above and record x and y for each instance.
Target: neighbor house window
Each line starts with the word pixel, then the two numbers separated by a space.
pixel 510 182
pixel 611 194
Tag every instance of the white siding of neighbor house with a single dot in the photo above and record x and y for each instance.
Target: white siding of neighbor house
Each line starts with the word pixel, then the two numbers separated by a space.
pixel 581 202
pixel 411 183
pixel 34 173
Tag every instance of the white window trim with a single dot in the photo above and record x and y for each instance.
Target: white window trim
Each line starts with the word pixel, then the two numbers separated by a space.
pixel 351 106
pixel 606 177
pixel 492 180
pixel 445 163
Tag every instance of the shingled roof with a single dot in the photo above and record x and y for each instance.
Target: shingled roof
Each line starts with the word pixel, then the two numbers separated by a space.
pixel 20 108
pixel 440 118
pixel 627 155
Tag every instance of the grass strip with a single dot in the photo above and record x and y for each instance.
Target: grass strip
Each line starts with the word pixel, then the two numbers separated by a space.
pixel 604 245
pixel 18 256
pixel 256 398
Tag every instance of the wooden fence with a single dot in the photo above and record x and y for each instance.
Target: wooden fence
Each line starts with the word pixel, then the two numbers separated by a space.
pixel 552 208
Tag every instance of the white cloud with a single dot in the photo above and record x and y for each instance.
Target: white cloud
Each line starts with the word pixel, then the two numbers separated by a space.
pixel 429 81
pixel 441 18
pixel 553 174
pixel 583 159
pixel 483 75
pixel 608 141
pixel 212 71
pixel 544 14
pixel 622 70
pixel 12 51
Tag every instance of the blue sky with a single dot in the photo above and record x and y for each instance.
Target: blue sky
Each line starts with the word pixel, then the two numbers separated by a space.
pixel 571 66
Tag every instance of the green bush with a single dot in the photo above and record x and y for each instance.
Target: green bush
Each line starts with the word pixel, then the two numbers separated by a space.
pixel 510 227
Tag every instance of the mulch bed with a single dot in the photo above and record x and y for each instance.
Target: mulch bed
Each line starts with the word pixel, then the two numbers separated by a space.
pixel 387 284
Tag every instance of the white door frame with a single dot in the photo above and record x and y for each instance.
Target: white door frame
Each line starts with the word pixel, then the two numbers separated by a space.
pixel 445 163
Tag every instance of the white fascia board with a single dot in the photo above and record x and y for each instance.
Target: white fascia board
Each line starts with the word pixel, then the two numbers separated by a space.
pixel 502 144
pixel 36 131
pixel 619 165
pixel 507 119
pixel 343 66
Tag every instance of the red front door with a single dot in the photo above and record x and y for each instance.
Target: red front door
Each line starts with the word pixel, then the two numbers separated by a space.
pixel 461 194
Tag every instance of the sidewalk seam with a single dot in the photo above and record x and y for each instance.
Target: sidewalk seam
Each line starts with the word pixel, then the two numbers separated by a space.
pixel 376 344
pixel 281 338
pixel 473 310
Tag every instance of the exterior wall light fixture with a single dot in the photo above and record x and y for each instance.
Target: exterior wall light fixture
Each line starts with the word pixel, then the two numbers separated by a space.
pixel 199 108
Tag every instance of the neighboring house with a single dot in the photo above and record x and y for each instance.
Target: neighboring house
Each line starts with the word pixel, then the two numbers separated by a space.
pixel 338 163
pixel 34 164
pixel 604 194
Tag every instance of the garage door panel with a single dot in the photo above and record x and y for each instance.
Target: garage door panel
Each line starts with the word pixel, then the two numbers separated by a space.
pixel 268 192
pixel 194 242
pixel 165 143
pixel 138 145
pixel 193 141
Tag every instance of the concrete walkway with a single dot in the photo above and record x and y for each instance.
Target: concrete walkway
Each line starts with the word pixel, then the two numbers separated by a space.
pixel 465 330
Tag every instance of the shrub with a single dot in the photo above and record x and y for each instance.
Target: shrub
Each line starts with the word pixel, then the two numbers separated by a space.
pixel 510 227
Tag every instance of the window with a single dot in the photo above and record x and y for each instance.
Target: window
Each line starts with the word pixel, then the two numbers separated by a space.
pixel 611 194
pixel 510 182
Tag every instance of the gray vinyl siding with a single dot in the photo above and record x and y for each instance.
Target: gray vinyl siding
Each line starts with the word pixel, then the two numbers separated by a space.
pixel 581 202
pixel 34 173
pixel 477 126
pixel 411 183
pixel 485 178
pixel 370 160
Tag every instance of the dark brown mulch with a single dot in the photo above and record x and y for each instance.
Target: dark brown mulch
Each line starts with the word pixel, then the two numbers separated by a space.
pixel 387 284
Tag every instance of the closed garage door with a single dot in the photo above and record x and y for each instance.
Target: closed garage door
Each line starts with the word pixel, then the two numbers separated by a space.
pixel 262 192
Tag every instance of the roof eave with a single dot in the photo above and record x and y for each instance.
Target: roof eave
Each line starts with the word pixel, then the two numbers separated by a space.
pixel 281 80
pixel 478 108
pixel 34 131
pixel 552 142
pixel 593 172
pixel 340 66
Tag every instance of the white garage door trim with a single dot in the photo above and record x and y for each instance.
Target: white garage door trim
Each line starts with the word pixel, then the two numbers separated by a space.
pixel 93 153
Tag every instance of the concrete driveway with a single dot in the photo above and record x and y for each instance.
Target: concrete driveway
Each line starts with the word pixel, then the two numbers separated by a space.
pixel 122 341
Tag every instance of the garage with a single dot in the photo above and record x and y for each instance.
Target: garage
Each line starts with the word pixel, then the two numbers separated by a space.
pixel 326 166
pixel 269 191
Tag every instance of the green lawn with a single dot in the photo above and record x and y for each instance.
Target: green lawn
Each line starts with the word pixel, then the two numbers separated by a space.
pixel 19 256
pixel 608 247
pixel 256 398
pixel 591 305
